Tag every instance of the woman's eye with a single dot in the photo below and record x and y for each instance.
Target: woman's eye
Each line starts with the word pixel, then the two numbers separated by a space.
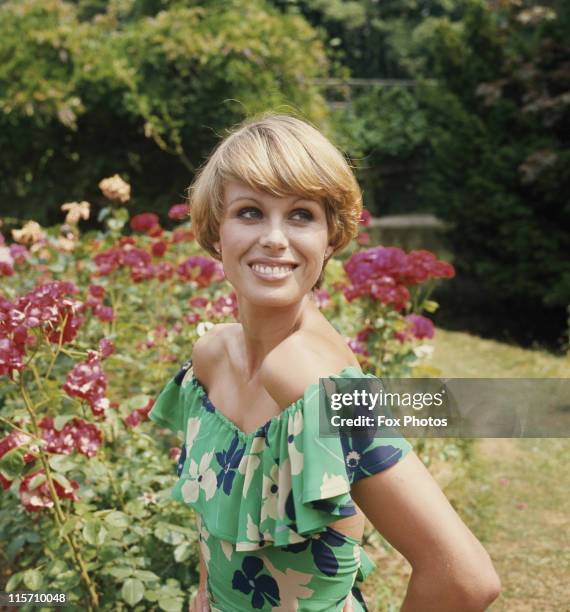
pixel 250 212
pixel 245 213
pixel 304 214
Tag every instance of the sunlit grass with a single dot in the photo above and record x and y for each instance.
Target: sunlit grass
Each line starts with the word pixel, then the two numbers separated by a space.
pixel 511 493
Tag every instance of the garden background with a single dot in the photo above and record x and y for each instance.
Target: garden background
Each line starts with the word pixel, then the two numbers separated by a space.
pixel 455 115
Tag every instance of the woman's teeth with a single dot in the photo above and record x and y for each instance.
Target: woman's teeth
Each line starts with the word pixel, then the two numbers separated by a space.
pixel 272 270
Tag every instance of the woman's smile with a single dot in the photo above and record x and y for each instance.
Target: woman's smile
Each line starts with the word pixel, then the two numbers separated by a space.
pixel 272 272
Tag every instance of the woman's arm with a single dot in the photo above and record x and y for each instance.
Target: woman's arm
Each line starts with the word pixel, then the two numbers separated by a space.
pixel 451 571
pixel 203 584
pixel 200 601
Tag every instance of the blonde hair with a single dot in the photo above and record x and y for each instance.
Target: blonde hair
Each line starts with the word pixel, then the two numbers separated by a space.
pixel 280 155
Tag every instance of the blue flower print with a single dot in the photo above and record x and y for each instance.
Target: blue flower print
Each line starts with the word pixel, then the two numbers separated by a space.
pixel 182 372
pixel 290 511
pixel 262 585
pixel 331 508
pixel 357 595
pixel 363 458
pixel 207 404
pixel 181 460
pixel 321 548
pixel 229 461
pixel 262 432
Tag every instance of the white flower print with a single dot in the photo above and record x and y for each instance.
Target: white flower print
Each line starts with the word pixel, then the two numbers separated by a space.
pixel 284 486
pixel 258 445
pixel 294 537
pixel 333 485
pixel 227 549
pixel 187 377
pixel 203 535
pixel 192 430
pixel 253 533
pixel 250 462
pixel 291 583
pixel 270 494
pixel 253 462
pixel 275 489
pixel 242 467
pixel 199 477
pixel 294 428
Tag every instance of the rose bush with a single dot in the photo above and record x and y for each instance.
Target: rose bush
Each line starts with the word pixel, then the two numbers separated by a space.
pixel 90 330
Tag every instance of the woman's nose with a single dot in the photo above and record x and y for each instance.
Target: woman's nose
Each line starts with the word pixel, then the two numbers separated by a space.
pixel 274 237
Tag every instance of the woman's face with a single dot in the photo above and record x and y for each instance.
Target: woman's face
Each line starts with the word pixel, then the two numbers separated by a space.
pixel 272 247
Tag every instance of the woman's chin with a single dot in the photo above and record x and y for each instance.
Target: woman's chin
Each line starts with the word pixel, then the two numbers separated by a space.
pixel 273 296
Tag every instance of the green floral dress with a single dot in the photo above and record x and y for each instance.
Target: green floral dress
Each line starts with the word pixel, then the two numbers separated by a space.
pixel 265 500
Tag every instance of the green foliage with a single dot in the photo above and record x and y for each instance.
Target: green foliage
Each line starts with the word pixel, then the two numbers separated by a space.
pixel 497 166
pixel 140 88
pixel 375 39
pixel 386 123
pixel 481 138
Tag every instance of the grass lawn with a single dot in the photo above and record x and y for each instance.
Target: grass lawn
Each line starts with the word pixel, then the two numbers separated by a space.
pixel 512 493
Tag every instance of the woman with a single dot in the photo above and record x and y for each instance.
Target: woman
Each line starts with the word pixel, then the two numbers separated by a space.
pixel 281 509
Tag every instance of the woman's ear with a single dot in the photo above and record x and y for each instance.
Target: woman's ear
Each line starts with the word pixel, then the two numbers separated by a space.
pixel 329 251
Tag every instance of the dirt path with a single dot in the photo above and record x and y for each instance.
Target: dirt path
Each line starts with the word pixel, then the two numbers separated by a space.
pixel 529 538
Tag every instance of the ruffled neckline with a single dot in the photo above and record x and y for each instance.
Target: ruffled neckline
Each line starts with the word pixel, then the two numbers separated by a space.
pixel 284 413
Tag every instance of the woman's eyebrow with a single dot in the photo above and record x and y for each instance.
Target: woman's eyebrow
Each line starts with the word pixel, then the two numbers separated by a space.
pixel 253 199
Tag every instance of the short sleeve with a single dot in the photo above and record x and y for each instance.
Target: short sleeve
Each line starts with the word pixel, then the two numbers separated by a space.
pixel 361 452
pixel 370 449
pixel 169 407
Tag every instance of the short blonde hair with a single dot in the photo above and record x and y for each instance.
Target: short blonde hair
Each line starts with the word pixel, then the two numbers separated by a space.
pixel 280 155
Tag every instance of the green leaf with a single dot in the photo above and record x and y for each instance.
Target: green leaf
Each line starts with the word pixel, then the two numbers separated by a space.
pixel 33 579
pixel 132 591
pixel 57 567
pixel 182 552
pixel 67 580
pixel 151 595
pixel 94 533
pixel 14 581
pixel 36 481
pixel 430 306
pixel 61 420
pixel 171 605
pixel 188 531
pixel 12 463
pixel 109 553
pixel 62 480
pixel 146 576
pixel 166 534
pixel 14 547
pixel 62 463
pixel 69 526
pixel 121 572
pixel 117 519
pixel 96 469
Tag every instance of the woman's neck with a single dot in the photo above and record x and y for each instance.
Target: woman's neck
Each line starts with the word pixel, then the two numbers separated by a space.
pixel 265 328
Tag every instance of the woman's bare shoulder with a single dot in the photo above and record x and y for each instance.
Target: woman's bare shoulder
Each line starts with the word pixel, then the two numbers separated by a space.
pixel 209 348
pixel 299 361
